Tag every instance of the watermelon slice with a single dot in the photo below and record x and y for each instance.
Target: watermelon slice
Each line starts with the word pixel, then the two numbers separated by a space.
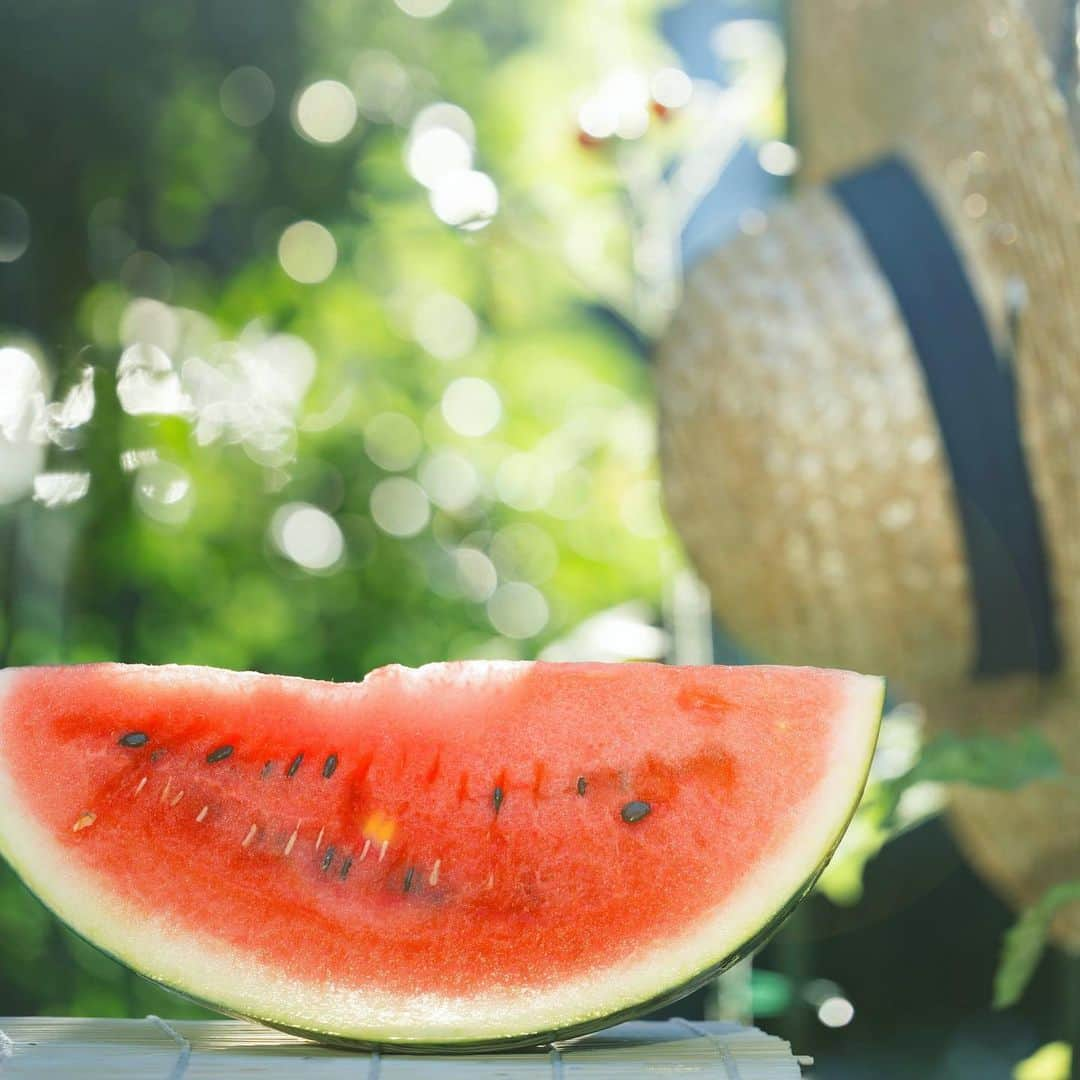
pixel 457 856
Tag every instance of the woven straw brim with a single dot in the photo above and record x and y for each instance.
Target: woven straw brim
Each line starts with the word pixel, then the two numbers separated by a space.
pixel 802 460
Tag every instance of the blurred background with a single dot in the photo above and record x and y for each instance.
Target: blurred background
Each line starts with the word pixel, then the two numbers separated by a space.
pixel 324 334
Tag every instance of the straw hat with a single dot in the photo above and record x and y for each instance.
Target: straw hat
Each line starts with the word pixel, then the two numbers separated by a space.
pixel 870 411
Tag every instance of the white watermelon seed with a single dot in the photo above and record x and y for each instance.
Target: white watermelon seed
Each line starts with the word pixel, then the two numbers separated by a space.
pixel 201 815
pixel 433 878
pixel 250 836
pixel 84 821
pixel 292 839
pixel 141 785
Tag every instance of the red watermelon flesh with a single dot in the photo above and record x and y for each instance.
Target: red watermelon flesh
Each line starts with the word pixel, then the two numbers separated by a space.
pixel 461 854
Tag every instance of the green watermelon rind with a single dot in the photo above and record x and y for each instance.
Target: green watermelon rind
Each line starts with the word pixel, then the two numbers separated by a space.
pixel 369 1037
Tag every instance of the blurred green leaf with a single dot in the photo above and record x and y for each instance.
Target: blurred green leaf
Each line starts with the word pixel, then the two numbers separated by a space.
pixel 1050 1062
pixel 1024 943
pixel 770 993
pixel 1005 762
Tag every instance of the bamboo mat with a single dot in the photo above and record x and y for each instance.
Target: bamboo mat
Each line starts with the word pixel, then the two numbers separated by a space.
pixel 156 1049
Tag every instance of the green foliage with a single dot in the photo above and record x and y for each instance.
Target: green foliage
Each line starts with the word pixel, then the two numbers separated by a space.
pixel 771 993
pixel 1025 940
pixel 1005 762
pixel 990 761
pixel 1050 1062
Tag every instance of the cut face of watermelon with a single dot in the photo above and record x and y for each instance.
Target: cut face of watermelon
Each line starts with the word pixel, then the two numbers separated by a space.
pixel 460 855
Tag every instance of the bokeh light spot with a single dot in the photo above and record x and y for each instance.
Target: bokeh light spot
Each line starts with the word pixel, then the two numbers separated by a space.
pixel 471 406
pixel 22 400
pixel 466 199
pixel 392 441
pixel 476 574
pixel 836 1012
pixel 14 229
pixel 778 158
pixel 307 252
pixel 400 506
pixel 75 409
pixel 247 96
pixel 435 153
pixel 442 114
pixel 445 326
pixel 518 610
pixel 325 111
pixel 381 85
pixel 60 488
pixel 22 382
pixel 130 460
pixel 308 536
pixel 163 492
pixel 672 88
pixel 147 384
pixel 440 144
pixel 423 9
pixel 625 632
pixel 620 106
pixel 598 118
pixel 150 322
pixel 450 480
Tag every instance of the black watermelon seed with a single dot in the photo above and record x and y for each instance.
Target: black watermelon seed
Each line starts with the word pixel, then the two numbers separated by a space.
pixel 328 858
pixel 294 765
pixel 408 879
pixel 220 754
pixel 635 811
pixel 134 738
pixel 267 769
pixel 330 766
pixel 581 785
pixel 345 867
pixel 497 798
pixel 156 755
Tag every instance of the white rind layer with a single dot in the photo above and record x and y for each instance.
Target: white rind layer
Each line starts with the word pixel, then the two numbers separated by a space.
pixel 203 967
